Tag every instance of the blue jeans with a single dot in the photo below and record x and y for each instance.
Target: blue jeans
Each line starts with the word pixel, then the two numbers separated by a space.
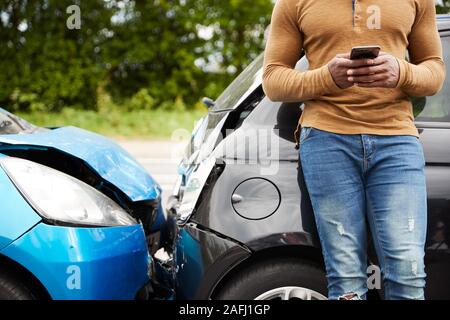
pixel 364 181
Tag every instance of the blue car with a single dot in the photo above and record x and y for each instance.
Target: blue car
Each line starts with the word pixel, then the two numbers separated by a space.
pixel 79 217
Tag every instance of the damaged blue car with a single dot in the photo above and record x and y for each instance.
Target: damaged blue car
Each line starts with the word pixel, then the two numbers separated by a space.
pixel 79 217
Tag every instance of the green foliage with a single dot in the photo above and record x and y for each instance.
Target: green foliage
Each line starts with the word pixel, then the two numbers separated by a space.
pixel 443 6
pixel 25 101
pixel 142 100
pixel 42 62
pixel 129 55
pixel 117 123
pixel 140 55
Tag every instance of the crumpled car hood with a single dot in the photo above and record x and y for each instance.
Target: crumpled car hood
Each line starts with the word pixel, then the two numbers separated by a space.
pixel 108 159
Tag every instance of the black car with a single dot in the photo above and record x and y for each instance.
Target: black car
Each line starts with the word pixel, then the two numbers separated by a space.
pixel 243 226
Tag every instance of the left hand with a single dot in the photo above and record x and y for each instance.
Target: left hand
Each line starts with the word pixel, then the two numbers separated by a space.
pixel 384 73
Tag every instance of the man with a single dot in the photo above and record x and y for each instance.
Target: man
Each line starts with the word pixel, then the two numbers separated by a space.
pixel 361 158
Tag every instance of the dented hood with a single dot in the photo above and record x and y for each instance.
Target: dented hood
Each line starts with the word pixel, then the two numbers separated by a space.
pixel 104 156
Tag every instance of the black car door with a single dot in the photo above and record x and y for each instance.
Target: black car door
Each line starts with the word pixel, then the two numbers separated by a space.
pixel 433 122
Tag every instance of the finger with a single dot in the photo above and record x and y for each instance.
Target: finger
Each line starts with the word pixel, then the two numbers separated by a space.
pixel 375 84
pixel 382 59
pixel 371 78
pixel 356 63
pixel 343 55
pixel 366 70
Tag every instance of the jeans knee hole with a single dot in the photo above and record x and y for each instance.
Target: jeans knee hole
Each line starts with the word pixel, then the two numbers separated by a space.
pixel 349 296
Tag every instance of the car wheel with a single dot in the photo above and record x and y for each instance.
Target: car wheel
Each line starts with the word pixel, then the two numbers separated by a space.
pixel 12 289
pixel 287 279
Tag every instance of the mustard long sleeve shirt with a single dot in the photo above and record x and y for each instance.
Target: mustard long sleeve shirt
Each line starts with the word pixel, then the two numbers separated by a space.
pixel 324 28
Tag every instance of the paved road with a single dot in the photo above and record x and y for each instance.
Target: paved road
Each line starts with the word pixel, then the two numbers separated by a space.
pixel 160 158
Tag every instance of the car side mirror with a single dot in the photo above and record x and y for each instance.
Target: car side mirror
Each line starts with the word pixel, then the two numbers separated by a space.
pixel 208 102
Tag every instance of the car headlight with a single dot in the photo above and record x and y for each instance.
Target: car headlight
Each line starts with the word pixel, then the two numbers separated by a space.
pixel 58 197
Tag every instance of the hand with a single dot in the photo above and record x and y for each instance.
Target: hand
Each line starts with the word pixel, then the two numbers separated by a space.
pixel 384 73
pixel 341 64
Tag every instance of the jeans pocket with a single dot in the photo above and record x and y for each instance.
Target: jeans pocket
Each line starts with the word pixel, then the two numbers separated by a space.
pixel 304 133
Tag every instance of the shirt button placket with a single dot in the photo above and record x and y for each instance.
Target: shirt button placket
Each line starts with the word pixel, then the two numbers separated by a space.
pixel 357 16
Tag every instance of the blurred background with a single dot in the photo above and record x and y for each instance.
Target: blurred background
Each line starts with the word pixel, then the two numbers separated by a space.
pixel 132 68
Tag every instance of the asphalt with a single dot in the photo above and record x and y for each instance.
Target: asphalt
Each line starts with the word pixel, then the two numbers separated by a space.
pixel 159 158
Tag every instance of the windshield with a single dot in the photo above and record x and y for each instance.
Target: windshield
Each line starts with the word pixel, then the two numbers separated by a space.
pixel 236 90
pixel 11 124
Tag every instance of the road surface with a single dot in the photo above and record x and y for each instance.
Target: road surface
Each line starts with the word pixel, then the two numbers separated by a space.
pixel 160 158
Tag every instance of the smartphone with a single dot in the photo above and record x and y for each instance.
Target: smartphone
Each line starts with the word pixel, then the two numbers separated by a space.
pixel 365 52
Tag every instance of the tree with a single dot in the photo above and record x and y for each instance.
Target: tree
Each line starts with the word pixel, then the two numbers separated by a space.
pixel 144 54
pixel 44 64
pixel 443 6
pixel 162 45
pixel 124 46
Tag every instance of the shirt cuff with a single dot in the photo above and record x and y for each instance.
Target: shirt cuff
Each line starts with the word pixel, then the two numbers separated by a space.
pixel 404 66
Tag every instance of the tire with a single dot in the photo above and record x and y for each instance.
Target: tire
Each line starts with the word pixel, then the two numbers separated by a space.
pixel 12 289
pixel 289 278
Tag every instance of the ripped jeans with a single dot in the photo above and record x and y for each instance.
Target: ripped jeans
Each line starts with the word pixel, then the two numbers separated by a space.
pixel 358 181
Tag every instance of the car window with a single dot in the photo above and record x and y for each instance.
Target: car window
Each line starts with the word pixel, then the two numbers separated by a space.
pixel 12 124
pixel 436 108
pixel 234 92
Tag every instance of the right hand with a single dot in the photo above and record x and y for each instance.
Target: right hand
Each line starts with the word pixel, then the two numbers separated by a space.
pixel 340 65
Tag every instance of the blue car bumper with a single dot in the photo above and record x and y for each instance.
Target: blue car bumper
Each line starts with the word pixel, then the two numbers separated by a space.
pixel 85 263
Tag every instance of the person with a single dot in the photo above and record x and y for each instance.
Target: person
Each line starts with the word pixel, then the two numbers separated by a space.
pixel 362 160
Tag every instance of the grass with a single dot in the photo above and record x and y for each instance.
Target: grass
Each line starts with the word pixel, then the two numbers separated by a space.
pixel 154 124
